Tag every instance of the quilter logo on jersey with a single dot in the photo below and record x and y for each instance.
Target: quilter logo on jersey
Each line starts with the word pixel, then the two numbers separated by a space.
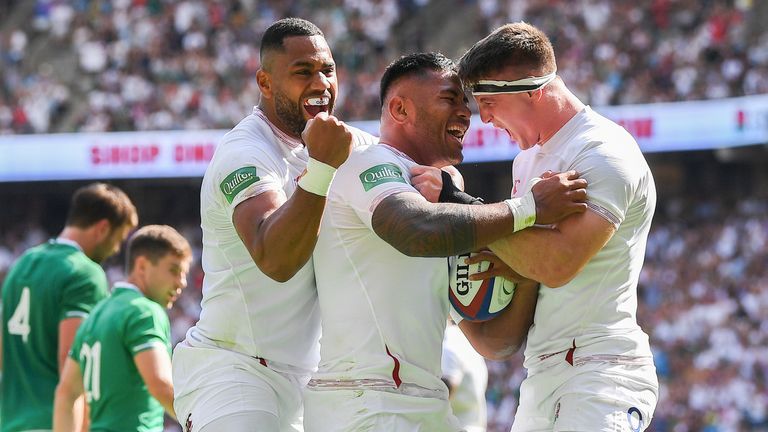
pixel 380 174
pixel 238 180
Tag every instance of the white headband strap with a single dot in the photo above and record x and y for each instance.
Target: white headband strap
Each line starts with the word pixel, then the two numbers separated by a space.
pixel 486 87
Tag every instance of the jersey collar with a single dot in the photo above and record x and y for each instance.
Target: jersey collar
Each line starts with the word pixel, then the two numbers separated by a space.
pixel 397 152
pixel 68 242
pixel 561 137
pixel 126 285
pixel 283 137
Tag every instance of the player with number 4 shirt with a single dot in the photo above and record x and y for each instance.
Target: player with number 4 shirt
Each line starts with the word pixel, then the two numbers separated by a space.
pixel 47 293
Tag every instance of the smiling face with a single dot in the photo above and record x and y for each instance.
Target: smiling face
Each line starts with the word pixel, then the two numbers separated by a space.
pixel 298 82
pixel 441 117
pixel 165 279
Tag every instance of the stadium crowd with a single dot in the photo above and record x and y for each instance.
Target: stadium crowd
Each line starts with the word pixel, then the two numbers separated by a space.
pixel 161 64
pixel 702 301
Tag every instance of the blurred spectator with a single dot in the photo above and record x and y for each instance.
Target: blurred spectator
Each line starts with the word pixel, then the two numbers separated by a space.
pixel 151 64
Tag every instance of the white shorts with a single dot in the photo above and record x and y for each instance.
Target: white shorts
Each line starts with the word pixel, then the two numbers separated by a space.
pixel 211 383
pixel 375 411
pixel 588 397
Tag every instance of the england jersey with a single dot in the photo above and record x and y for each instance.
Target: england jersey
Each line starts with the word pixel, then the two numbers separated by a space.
pixel 243 309
pixel 596 311
pixel 383 313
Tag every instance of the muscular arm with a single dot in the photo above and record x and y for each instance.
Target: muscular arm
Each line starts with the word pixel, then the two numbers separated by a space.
pixel 555 255
pixel 417 227
pixel 67 330
pixel 279 234
pixel 69 399
pixel 504 335
pixel 154 366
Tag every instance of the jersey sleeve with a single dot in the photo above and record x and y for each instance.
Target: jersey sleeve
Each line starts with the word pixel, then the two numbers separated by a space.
pixel 369 176
pixel 82 291
pixel 609 188
pixel 147 328
pixel 246 167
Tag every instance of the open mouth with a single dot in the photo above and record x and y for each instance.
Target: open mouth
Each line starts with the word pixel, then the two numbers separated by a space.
pixel 457 131
pixel 315 105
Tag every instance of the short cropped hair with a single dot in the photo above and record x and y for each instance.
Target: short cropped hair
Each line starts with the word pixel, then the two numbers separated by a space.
pixel 413 65
pixel 287 27
pixel 154 242
pixel 518 45
pixel 98 201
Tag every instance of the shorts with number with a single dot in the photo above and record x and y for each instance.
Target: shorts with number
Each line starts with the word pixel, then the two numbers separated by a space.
pixel 210 383
pixel 590 397
pixel 375 411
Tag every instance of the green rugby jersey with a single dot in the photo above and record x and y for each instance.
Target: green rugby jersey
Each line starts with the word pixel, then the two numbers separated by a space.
pixel 49 283
pixel 118 329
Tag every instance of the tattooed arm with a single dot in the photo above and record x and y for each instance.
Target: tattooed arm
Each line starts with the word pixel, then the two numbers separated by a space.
pixel 416 227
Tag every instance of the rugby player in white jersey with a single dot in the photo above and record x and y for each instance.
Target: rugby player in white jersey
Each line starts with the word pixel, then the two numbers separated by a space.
pixel 383 294
pixel 589 363
pixel 243 365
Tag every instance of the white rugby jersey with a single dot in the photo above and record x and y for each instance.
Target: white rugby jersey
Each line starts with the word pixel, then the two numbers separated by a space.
pixel 383 313
pixel 596 310
pixel 244 310
pixel 465 369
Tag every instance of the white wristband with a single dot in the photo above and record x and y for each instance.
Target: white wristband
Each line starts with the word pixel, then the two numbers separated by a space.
pixel 524 210
pixel 318 177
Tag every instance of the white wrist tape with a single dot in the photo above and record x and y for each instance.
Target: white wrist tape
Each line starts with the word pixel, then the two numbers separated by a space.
pixel 524 210
pixel 318 178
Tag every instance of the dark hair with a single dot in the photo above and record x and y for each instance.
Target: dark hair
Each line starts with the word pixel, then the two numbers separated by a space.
pixel 517 45
pixel 276 33
pixel 98 201
pixel 413 65
pixel 154 242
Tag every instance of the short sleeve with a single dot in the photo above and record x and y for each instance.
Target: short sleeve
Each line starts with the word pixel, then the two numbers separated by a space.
pixel 147 328
pixel 610 179
pixel 82 292
pixel 369 176
pixel 246 166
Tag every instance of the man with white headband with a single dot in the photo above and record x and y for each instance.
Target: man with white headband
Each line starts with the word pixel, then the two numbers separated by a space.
pixel 589 363
pixel 242 367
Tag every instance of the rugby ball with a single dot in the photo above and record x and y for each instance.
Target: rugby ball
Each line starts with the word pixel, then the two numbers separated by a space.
pixel 477 300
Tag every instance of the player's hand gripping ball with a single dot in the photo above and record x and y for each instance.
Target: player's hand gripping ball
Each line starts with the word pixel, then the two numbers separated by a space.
pixel 478 300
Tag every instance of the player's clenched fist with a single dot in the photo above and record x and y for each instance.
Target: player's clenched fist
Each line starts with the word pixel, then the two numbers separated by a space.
pixel 559 195
pixel 327 139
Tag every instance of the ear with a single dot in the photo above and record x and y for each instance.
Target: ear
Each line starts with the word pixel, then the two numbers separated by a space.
pixel 398 109
pixel 103 229
pixel 264 80
pixel 140 264
pixel 536 95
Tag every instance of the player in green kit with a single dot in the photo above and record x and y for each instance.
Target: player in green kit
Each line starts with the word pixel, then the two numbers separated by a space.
pixel 46 295
pixel 121 357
